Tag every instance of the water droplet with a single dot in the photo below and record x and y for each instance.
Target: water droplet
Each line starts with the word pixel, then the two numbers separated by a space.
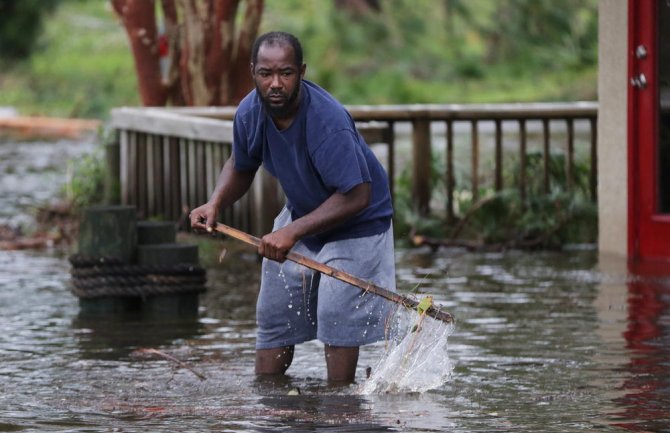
pixel 298 313
pixel 290 305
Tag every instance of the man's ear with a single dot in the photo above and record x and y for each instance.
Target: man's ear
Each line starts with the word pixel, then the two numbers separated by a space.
pixel 251 69
pixel 303 68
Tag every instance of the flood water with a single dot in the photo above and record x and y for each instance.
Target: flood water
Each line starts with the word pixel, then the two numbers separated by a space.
pixel 544 342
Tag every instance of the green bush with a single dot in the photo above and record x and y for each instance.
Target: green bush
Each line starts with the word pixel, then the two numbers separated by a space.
pixel 20 26
pixel 501 218
pixel 86 179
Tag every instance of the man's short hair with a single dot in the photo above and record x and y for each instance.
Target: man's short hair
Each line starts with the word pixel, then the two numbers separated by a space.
pixel 277 38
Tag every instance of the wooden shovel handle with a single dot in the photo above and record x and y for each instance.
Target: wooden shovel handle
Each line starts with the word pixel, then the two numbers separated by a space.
pixel 434 312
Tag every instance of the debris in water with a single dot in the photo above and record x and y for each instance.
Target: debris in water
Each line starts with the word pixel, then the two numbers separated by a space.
pixel 173 359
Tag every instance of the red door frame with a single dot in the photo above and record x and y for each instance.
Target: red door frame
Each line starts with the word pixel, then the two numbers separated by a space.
pixel 648 231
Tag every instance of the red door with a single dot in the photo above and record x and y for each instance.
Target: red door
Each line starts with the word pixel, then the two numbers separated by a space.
pixel 649 130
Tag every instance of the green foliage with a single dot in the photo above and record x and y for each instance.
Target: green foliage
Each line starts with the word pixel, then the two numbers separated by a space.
pixel 82 66
pixel 466 51
pixel 407 219
pixel 548 220
pixel 543 220
pixel 86 180
pixel 20 25
pixel 544 50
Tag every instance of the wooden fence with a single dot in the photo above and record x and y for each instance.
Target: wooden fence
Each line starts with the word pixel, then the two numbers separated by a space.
pixel 170 158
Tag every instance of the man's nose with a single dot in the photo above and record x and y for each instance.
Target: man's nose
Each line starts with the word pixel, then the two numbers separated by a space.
pixel 276 82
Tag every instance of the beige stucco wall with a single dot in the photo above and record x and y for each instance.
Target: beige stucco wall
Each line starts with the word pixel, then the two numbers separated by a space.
pixel 612 126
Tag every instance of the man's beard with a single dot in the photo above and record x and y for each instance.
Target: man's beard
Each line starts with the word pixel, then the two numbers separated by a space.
pixel 280 111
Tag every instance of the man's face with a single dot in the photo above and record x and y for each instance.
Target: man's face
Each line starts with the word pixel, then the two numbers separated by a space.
pixel 277 79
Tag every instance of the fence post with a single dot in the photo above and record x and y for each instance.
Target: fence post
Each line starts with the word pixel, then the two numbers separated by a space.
pixel 522 161
pixel 451 178
pixel 474 140
pixel 112 193
pixel 498 156
pixel 421 165
pixel 594 159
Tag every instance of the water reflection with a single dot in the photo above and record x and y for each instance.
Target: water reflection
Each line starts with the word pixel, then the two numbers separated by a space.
pixel 115 336
pixel 646 403
pixel 309 413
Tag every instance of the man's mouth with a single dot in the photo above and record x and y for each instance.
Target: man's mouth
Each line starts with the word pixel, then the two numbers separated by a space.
pixel 276 98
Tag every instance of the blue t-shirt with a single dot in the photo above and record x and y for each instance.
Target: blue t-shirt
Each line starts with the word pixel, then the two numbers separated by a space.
pixel 319 154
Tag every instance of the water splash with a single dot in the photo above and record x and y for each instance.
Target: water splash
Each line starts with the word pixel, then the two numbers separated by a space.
pixel 415 358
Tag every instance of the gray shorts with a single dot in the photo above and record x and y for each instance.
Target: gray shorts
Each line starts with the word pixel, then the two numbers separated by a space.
pixel 296 304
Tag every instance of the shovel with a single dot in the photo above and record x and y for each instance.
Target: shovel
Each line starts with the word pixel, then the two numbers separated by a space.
pixel 432 310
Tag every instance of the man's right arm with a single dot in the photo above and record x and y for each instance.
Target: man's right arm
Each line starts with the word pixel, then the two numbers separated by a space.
pixel 231 185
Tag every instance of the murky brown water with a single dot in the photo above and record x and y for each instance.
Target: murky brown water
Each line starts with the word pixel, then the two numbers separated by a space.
pixel 545 342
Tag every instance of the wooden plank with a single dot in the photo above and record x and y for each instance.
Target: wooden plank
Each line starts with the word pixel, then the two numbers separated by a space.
pixel 180 121
pixel 175 179
pixel 164 122
pixel 389 139
pixel 159 181
pixel 132 169
pixel 210 175
pixel 151 191
pixel 474 170
pixel 192 197
pixel 183 175
pixel 508 111
pixel 200 174
pixel 167 178
pixel 142 175
pixel 570 155
pixel 498 156
pixel 124 161
pixel 594 159
pixel 546 154
pixel 421 165
pixel 522 160
pixel 451 176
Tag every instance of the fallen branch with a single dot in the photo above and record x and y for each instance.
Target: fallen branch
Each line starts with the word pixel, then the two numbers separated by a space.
pixel 173 359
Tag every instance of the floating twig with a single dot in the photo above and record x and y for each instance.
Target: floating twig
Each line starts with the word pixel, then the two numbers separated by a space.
pixel 173 359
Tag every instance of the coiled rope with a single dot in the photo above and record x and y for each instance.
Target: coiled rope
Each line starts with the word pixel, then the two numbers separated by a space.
pixel 94 277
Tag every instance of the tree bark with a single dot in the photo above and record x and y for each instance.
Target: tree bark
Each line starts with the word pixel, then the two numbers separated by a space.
pixel 209 58
pixel 139 20
pixel 240 74
pixel 173 34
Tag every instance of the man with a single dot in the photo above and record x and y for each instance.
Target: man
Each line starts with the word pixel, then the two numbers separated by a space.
pixel 338 212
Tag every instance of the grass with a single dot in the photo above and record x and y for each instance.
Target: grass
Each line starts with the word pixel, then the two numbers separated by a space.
pixel 82 66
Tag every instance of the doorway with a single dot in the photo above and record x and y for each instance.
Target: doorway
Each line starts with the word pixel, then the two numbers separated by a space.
pixel 649 130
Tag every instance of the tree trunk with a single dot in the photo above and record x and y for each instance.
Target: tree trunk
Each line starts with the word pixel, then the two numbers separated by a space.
pixel 209 60
pixel 172 31
pixel 139 20
pixel 240 74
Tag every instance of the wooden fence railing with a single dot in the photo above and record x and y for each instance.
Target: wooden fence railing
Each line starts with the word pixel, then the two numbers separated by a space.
pixel 170 158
